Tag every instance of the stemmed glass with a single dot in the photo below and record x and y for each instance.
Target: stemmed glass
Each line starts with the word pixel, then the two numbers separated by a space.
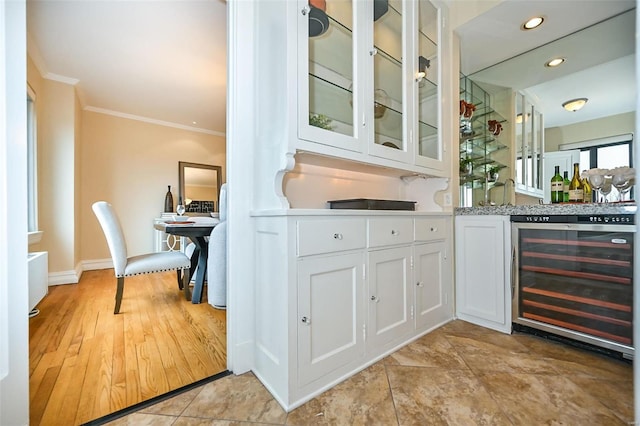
pixel 596 181
pixel 606 189
pixel 180 209
pixel 622 179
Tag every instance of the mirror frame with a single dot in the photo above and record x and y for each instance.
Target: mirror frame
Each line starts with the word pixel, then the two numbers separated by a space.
pixel 181 190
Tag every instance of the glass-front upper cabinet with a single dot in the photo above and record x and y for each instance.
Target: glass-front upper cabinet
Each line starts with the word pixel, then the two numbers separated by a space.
pixel 389 105
pixel 330 90
pixel 529 147
pixel 429 149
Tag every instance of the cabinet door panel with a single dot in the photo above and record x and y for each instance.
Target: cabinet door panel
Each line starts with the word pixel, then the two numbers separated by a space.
pixel 482 296
pixel 389 296
pixel 329 314
pixel 433 284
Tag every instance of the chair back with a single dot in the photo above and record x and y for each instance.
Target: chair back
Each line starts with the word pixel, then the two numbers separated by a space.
pixel 222 202
pixel 113 232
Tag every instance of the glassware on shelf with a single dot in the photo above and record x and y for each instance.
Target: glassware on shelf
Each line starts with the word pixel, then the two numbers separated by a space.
pixel 622 178
pixel 596 178
pixel 606 189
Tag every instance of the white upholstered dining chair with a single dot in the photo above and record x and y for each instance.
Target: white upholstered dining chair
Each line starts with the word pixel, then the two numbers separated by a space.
pixel 217 260
pixel 125 266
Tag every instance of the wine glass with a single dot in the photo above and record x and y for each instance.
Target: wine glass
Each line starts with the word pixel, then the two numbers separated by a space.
pixel 596 181
pixel 623 183
pixel 606 189
pixel 180 209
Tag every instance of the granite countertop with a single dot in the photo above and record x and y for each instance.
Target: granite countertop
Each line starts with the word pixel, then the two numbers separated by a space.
pixel 550 209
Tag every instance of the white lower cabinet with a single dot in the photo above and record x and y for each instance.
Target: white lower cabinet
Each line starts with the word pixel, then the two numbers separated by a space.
pixel 483 293
pixel 346 295
pixel 389 297
pixel 330 314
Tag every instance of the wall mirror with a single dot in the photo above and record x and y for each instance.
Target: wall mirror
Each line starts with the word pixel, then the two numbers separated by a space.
pixel 199 187
pixel 598 45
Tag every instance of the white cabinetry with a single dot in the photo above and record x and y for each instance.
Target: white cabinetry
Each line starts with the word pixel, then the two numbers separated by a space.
pixel 360 90
pixel 529 147
pixel 329 314
pixel 355 282
pixel 483 268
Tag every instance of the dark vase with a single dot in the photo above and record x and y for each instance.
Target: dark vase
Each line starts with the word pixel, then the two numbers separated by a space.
pixel 168 201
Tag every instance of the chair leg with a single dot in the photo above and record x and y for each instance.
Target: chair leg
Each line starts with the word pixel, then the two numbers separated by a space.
pixel 185 283
pixel 119 292
pixel 179 272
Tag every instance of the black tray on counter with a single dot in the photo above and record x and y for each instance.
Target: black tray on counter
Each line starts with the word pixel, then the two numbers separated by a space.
pixel 369 204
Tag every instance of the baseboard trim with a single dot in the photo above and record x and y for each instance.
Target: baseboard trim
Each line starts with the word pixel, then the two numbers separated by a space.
pixel 144 404
pixel 64 277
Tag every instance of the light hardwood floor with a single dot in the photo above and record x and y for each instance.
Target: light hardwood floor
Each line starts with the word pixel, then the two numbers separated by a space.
pixel 85 362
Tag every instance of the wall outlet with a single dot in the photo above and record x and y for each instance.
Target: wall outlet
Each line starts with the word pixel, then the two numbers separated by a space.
pixel 447 199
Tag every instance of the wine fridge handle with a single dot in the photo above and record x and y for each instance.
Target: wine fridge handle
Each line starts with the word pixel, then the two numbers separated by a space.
pixel 513 271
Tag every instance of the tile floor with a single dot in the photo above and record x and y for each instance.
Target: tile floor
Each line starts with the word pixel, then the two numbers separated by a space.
pixel 460 374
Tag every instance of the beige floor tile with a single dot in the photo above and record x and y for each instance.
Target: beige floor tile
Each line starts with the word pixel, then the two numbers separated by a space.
pixel 459 326
pixel 433 396
pixel 616 396
pixel 195 421
pixel 431 350
pixel 364 399
pixel 141 419
pixel 173 406
pixel 239 398
pixel 530 399
pixel 595 366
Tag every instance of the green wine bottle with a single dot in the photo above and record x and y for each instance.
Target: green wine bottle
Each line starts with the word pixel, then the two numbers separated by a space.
pixel 567 182
pixel 557 187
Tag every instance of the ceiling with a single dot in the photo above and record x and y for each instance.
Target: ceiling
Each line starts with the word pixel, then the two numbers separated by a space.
pixel 164 61
pixel 600 60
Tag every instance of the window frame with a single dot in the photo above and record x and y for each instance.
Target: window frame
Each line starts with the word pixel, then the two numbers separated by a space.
pixel 34 234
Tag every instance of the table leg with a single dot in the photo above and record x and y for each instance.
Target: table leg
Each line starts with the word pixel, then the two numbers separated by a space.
pixel 202 247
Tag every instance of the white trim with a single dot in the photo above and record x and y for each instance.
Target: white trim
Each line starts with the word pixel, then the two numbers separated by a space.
pixel 61 78
pixel 35 237
pixel 93 265
pixel 64 277
pixel 152 121
pixel 625 137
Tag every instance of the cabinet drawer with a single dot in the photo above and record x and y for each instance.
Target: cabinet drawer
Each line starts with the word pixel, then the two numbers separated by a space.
pixel 326 236
pixel 390 231
pixel 428 229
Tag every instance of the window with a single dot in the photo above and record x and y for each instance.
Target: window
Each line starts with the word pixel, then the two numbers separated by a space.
pixel 32 169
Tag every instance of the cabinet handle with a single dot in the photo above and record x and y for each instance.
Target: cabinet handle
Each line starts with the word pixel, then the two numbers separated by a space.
pixel 305 10
pixel 394 232
pixel 306 320
pixel 337 236
pixel 373 52
pixel 375 299
pixel 419 284
pixel 513 272
pixel 434 229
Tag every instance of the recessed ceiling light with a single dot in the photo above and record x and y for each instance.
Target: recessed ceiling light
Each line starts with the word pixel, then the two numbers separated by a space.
pixel 554 62
pixel 193 122
pixel 575 104
pixel 532 23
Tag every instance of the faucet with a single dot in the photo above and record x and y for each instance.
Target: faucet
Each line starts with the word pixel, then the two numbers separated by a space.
pixel 504 191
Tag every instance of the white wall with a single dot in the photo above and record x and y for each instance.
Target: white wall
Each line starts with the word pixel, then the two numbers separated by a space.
pixel 593 129
pixel 14 332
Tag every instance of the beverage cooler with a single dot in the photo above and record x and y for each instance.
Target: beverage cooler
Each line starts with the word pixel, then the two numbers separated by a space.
pixel 573 277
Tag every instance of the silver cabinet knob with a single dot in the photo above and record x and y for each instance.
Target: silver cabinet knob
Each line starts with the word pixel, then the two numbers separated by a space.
pixel 306 320
pixel 375 299
pixel 434 229
pixel 305 10
pixel 419 284
pixel 394 232
pixel 337 236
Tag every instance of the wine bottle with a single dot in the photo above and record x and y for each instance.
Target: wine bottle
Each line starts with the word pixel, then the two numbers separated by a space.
pixel 168 201
pixel 576 192
pixel 557 187
pixel 586 190
pixel 565 190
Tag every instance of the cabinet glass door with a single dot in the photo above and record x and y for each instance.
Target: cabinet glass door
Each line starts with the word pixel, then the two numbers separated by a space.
pixel 327 67
pixel 427 107
pixel 388 84
pixel 520 142
pixel 537 149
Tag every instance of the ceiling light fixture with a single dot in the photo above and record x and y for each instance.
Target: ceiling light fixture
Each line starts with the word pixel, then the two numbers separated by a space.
pixel 532 23
pixel 575 104
pixel 554 62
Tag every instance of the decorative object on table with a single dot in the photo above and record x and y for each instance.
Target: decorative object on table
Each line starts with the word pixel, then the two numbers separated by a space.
pixel 168 201
pixel 125 266
pixel 180 209
pixel 320 120
pixel 381 99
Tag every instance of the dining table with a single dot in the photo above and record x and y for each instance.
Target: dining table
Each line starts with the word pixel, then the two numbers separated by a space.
pixel 198 232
